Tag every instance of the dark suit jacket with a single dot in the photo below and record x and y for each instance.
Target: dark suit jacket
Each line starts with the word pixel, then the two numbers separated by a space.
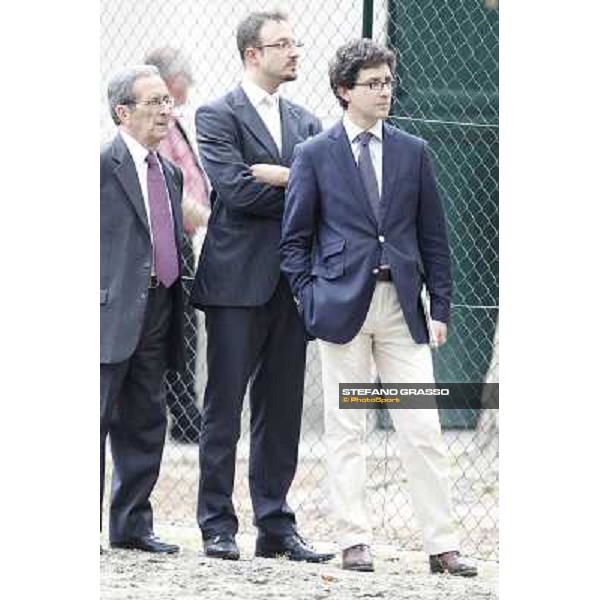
pixel 126 255
pixel 332 242
pixel 239 263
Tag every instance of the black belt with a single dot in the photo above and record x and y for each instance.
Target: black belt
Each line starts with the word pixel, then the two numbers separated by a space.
pixel 383 275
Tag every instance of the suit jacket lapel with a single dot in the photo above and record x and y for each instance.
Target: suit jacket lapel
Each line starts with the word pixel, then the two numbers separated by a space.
pixel 391 154
pixel 342 154
pixel 252 121
pixel 289 131
pixel 126 173
pixel 174 192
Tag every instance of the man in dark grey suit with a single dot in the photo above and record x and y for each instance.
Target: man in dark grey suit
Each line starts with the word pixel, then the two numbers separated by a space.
pixel 141 303
pixel 254 333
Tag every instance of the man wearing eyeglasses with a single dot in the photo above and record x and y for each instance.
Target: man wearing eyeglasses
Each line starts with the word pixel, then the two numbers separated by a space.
pixel 141 300
pixel 254 333
pixel 363 229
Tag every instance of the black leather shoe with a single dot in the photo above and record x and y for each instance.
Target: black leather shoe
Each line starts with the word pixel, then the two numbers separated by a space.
pixel 148 543
pixel 222 546
pixel 290 546
pixel 453 563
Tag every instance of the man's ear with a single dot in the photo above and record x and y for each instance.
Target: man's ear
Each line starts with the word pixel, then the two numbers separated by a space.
pixel 122 112
pixel 250 56
pixel 344 93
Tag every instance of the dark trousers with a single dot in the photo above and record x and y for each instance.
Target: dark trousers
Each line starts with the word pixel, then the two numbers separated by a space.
pixel 181 392
pixel 133 415
pixel 266 347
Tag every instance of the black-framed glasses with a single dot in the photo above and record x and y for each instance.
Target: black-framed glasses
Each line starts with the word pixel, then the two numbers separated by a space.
pixel 378 86
pixel 283 45
pixel 155 102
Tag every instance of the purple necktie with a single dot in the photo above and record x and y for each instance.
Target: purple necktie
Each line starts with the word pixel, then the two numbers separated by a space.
pixel 163 235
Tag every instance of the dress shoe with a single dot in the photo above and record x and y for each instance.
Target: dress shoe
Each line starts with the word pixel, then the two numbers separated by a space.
pixel 357 558
pixel 291 546
pixel 453 563
pixel 222 546
pixel 148 543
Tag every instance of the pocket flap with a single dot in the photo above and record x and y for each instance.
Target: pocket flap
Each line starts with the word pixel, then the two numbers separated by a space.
pixel 333 248
pixel 103 296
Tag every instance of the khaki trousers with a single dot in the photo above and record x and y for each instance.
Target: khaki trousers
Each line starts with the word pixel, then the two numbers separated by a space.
pixel 385 340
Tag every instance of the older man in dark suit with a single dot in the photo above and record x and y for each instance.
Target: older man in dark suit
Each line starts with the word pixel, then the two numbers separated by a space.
pixel 254 333
pixel 141 304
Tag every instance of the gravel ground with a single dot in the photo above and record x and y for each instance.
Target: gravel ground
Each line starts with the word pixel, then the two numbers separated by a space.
pixel 129 575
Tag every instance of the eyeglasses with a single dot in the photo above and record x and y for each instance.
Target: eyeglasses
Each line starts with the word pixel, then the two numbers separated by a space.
pixel 378 86
pixel 155 102
pixel 283 45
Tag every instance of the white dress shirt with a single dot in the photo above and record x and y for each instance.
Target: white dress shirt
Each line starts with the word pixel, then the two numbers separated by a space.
pixel 375 145
pixel 267 107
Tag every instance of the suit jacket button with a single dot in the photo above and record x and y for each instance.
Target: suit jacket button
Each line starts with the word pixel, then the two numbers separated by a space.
pixel 381 239
pixel 375 271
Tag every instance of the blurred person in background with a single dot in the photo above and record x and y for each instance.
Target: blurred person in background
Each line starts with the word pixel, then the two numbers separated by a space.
pixel 141 300
pixel 175 70
pixel 363 229
pixel 254 333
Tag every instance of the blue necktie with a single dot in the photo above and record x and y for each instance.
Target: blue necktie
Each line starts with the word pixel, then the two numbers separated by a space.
pixel 367 171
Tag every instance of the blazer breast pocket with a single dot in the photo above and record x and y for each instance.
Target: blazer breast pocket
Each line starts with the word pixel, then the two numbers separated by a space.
pixel 330 260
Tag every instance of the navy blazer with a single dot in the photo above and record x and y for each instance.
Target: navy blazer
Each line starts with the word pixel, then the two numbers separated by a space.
pixel 239 262
pixel 332 241
pixel 126 255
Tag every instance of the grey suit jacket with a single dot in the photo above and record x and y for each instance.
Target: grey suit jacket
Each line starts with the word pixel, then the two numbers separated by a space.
pixel 239 263
pixel 126 255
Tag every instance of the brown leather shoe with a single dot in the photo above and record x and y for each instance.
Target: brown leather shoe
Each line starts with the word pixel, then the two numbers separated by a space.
pixel 357 558
pixel 453 563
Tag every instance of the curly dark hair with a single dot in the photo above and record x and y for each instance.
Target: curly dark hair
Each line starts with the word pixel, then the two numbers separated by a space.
pixel 353 56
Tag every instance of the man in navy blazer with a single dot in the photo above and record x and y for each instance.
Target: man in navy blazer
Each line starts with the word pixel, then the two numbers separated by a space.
pixel 363 230
pixel 254 333
pixel 141 300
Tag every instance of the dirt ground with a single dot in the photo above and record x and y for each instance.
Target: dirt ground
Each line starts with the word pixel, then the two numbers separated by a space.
pixel 401 572
pixel 133 575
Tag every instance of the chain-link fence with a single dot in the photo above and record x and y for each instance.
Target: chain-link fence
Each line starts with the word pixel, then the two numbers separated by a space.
pixel 448 93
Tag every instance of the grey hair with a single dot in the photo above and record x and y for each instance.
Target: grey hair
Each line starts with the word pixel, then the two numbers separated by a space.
pixel 170 62
pixel 120 87
pixel 248 30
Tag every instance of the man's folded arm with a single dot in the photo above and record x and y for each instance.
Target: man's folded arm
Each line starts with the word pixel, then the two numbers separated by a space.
pixel 298 227
pixel 236 186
